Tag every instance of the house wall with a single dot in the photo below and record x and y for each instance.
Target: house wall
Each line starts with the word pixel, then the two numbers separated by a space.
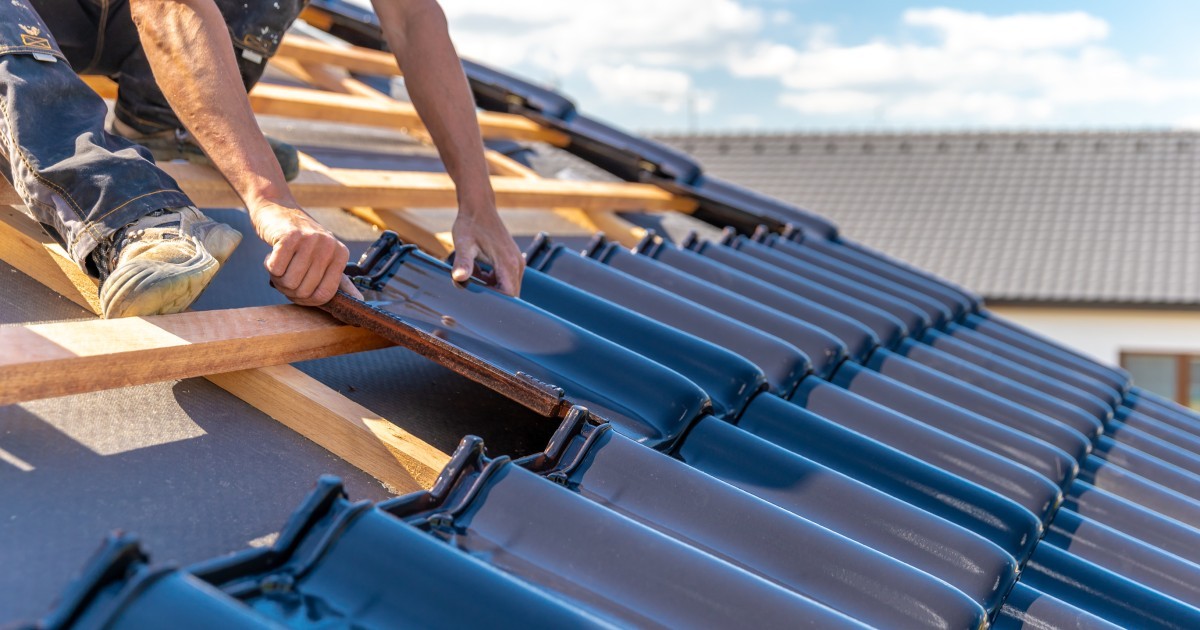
pixel 1105 333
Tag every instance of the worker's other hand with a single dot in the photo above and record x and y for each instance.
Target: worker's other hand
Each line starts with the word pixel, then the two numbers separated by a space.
pixel 481 236
pixel 307 261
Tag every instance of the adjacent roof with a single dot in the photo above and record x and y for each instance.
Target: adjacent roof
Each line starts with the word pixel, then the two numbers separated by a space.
pixel 1059 217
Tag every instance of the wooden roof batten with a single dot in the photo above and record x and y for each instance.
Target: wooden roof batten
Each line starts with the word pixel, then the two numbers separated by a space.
pixel 244 351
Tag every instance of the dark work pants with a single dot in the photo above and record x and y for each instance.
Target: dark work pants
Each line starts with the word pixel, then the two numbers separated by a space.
pixel 77 180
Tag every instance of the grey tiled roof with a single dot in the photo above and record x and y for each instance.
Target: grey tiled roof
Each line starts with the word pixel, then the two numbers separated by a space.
pixel 1027 217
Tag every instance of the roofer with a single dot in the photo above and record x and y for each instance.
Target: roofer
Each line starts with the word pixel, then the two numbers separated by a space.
pixel 183 68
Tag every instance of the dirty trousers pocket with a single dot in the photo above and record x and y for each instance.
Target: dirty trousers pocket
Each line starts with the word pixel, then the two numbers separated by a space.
pixel 258 26
pixel 22 31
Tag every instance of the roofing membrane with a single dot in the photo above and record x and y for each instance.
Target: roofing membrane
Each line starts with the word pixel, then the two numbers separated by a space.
pixel 778 427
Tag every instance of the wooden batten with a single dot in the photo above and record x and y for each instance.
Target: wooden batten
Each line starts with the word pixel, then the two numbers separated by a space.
pixel 25 246
pixel 58 359
pixel 436 190
pixel 345 99
pixel 352 58
pixel 309 104
pixel 314 62
pixel 45 360
pixel 356 107
pixel 377 446
pixel 355 187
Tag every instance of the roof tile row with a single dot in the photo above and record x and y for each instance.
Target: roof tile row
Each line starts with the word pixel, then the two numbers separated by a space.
pixel 866 487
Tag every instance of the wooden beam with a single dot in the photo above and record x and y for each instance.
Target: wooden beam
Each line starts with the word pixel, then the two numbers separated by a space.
pixel 25 246
pixel 317 75
pixel 50 360
pixel 314 53
pixel 412 227
pixel 415 227
pixel 433 190
pixel 311 64
pixel 335 80
pixel 618 229
pixel 358 108
pixel 402 461
pixel 399 460
pixel 309 104
pixel 317 18
pixel 436 190
pixel 352 58
pixel 504 165
pixel 103 86
pixel 352 187
pixel 328 78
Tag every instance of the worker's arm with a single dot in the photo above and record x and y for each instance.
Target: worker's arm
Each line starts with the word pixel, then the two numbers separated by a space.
pixel 416 32
pixel 191 54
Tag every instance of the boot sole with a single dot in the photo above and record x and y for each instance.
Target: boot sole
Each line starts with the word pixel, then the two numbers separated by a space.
pixel 156 288
pixel 221 240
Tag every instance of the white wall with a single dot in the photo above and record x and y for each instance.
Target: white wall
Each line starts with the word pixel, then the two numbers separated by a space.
pixel 1105 333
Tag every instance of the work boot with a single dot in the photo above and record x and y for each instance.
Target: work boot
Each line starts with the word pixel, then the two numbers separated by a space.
pixel 161 262
pixel 178 144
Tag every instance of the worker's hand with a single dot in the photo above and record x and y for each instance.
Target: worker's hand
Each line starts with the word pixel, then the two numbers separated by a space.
pixel 479 234
pixel 307 261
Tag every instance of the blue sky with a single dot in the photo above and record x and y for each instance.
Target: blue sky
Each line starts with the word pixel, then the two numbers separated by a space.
pixel 863 65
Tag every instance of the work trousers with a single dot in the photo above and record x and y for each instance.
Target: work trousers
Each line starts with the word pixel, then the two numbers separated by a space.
pixel 80 182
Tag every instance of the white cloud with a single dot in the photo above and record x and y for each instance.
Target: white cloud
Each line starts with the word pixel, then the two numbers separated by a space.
pixel 704 101
pixel 780 16
pixel 668 90
pixel 831 102
pixel 1018 68
pixel 1021 31
pixel 944 65
pixel 565 36
pixel 992 107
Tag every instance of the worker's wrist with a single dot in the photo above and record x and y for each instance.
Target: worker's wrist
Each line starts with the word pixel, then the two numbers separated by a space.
pixel 269 212
pixel 473 200
pixel 270 196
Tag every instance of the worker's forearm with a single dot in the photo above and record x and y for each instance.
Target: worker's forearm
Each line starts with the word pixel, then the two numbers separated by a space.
pixel 191 54
pixel 416 32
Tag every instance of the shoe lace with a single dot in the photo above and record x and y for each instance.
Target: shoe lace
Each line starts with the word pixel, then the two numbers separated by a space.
pixel 104 257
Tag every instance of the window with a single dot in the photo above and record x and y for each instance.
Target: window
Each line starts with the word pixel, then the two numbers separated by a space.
pixel 1175 376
